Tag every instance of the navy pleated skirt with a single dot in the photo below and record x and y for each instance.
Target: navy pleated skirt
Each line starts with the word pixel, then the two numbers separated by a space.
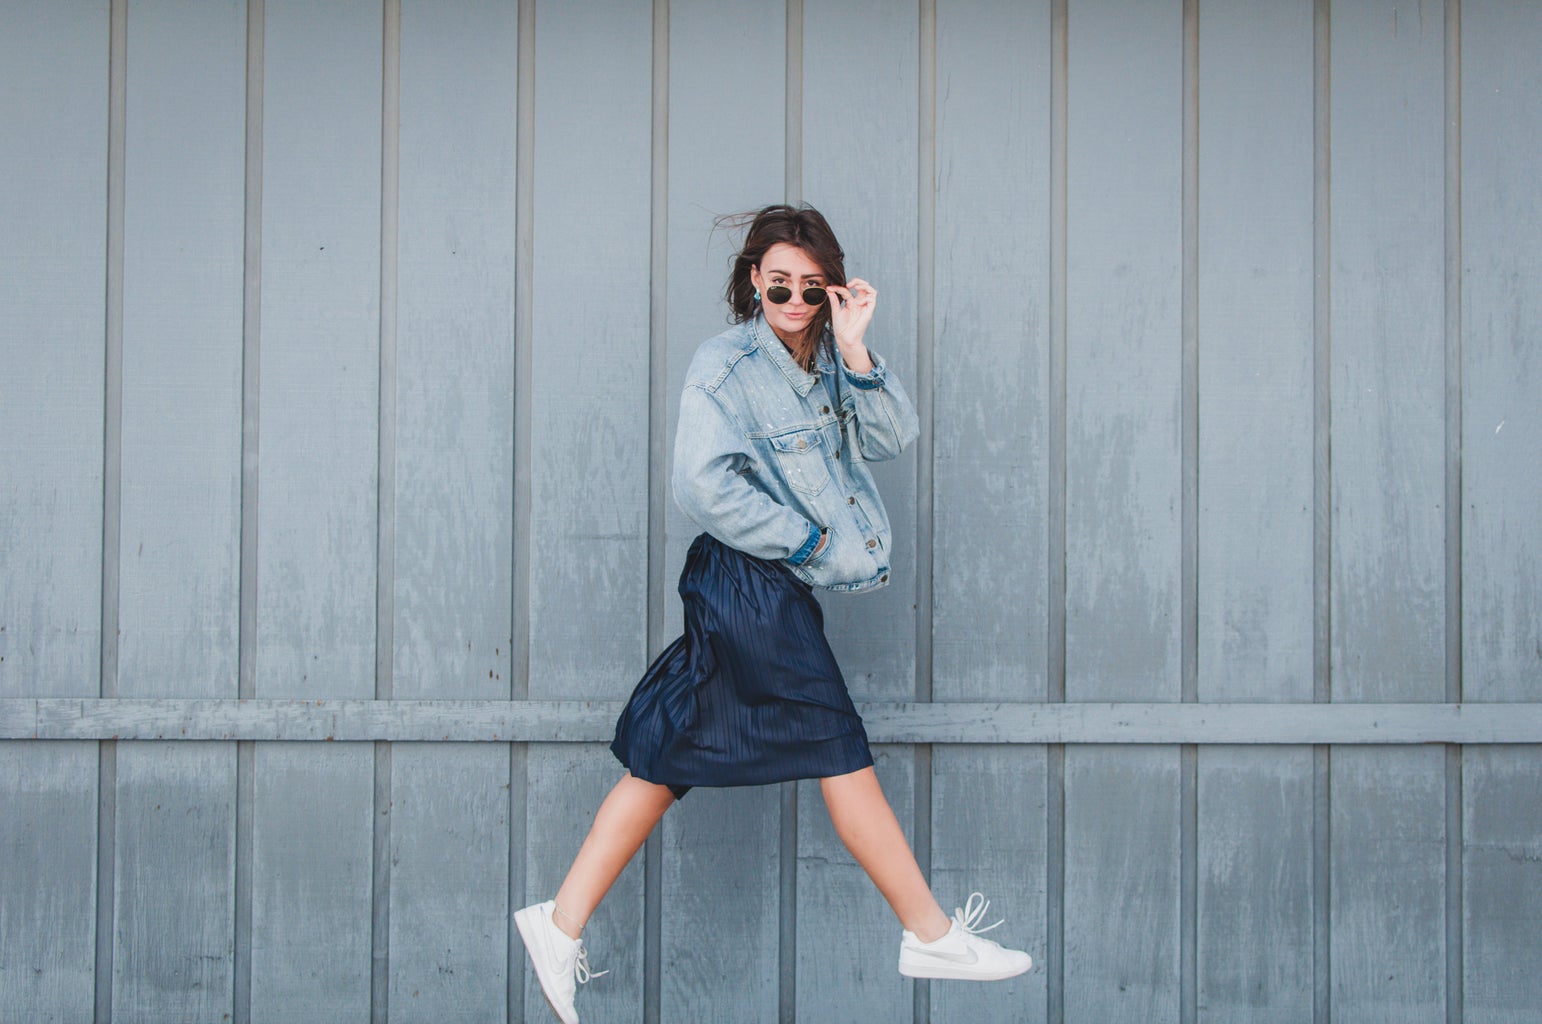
pixel 751 693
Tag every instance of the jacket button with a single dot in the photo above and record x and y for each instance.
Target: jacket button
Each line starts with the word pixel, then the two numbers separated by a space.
pixel 802 444
pixel 851 500
pixel 872 543
pixel 824 410
pixel 884 578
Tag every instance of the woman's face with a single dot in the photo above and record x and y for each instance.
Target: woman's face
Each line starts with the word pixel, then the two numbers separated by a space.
pixel 787 266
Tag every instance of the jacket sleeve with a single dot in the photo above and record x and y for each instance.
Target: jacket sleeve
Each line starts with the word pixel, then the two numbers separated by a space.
pixel 710 483
pixel 886 419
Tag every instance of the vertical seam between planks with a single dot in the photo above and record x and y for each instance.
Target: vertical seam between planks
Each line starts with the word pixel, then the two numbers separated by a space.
pixel 1455 866
pixel 787 908
pixel 385 502
pixel 1054 866
pixel 1322 519
pixel 926 282
pixel 519 621
pixel 658 313
pixel 1188 856
pixel 246 630
pixel 112 468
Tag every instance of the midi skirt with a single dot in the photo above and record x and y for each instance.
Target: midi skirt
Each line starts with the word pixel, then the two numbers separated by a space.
pixel 751 693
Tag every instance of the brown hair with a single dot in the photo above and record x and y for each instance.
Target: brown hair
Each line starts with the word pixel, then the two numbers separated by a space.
pixel 803 227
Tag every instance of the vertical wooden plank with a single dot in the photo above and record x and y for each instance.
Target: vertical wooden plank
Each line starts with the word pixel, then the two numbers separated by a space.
pixel 1501 532
pixel 1388 898
pixel 1255 884
pixel 859 170
pixel 1123 320
pixel 990 471
pixel 53 159
pixel 988 836
pixel 567 783
pixel 859 146
pixel 992 349
pixel 848 940
pixel 449 879
pixel 1254 835
pixel 454 458
pixel 316 518
pixel 721 849
pixel 1388 443
pixel 180 530
pixel 589 438
pixel 1121 880
pixel 173 923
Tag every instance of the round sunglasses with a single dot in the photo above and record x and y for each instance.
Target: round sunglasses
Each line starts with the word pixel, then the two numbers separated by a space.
pixel 780 293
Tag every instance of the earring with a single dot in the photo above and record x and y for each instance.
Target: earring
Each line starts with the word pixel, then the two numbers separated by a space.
pixel 757 295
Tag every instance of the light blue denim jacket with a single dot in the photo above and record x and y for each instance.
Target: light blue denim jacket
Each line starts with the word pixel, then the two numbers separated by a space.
pixel 767 455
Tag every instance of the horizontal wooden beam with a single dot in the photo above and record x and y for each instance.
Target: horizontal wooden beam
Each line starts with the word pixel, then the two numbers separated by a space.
pixel 537 721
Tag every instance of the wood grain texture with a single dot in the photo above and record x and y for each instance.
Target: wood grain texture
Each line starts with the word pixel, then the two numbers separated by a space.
pixel 1254 818
pixel 320 341
pixel 311 882
pixel 173 925
pixel 180 526
pixel 449 881
pixel 589 420
pixel 859 169
pixel 720 849
pixel 1501 532
pixel 1123 317
pixel 48 890
pixel 1255 884
pixel 1388 898
pixel 567 784
pixel 455 352
pixel 1388 387
pixel 950 722
pixel 53 215
pixel 1255 346
pixel 1121 885
pixel 988 836
pixel 992 352
pixel 182 306
pixel 316 570
pixel 449 835
pixel 848 939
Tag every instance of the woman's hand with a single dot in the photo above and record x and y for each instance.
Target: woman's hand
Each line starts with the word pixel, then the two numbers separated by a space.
pixel 851 310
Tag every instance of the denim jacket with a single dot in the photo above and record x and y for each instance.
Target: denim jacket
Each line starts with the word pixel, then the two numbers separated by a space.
pixel 767 456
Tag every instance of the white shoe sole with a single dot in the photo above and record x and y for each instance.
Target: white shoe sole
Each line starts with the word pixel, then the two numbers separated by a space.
pixel 531 930
pixel 960 972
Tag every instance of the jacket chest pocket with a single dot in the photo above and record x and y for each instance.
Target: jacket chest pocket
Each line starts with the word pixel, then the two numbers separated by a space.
pixel 800 455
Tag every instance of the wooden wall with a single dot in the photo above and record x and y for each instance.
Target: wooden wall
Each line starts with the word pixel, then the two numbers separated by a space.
pixel 340 347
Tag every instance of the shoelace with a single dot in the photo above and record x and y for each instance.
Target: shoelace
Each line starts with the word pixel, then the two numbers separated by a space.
pixel 971 913
pixel 581 969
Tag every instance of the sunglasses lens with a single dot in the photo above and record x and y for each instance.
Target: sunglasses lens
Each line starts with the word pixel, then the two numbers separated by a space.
pixel 813 296
pixel 777 294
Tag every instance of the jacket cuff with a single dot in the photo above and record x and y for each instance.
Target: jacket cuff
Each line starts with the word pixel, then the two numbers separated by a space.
pixel 801 555
pixel 872 380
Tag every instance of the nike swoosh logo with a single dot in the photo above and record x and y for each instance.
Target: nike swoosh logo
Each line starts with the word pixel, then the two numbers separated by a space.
pixel 968 957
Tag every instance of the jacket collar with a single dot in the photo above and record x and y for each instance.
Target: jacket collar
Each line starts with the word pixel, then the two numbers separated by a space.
pixel 777 352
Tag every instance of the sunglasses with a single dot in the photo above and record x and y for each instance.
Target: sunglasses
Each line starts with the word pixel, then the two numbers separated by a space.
pixel 779 293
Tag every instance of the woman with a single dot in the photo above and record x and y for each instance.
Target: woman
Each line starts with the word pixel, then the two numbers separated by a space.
pixel 779 417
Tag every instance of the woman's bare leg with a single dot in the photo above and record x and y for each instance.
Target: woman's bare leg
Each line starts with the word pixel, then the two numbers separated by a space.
pixel 621 826
pixel 866 824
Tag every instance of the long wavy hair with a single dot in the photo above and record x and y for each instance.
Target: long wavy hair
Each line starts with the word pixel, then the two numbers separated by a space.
pixel 803 227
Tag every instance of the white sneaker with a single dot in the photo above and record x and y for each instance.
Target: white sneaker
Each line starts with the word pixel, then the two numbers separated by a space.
pixel 961 953
pixel 561 963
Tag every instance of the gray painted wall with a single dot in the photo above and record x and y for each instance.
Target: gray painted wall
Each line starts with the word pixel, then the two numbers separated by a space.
pixel 339 352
